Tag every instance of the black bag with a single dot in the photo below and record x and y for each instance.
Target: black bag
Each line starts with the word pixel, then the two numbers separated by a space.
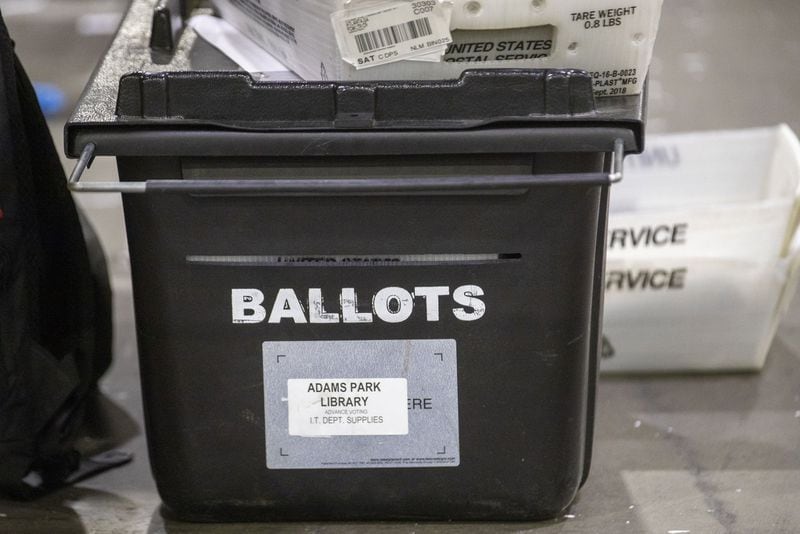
pixel 55 316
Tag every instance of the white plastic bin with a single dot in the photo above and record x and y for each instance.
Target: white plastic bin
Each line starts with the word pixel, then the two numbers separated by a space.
pixel 703 251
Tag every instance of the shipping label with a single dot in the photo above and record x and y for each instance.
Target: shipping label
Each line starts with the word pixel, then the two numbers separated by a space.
pixel 392 31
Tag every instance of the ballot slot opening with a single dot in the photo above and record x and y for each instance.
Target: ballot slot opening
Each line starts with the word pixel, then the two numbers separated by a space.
pixel 379 260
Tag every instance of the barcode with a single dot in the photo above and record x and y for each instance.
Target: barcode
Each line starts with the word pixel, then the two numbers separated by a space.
pixel 369 41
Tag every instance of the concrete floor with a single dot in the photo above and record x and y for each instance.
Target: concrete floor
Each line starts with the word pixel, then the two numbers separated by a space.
pixel 700 454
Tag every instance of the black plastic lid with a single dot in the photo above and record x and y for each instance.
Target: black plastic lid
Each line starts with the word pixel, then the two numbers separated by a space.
pixel 235 100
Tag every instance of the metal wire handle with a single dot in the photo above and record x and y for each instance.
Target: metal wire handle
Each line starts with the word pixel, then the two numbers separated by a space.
pixel 299 186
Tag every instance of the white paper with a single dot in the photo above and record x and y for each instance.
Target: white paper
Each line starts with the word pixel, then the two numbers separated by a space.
pixel 347 406
pixel 240 49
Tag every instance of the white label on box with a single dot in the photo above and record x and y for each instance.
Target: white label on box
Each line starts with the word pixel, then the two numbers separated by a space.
pixel 392 31
pixel 348 407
